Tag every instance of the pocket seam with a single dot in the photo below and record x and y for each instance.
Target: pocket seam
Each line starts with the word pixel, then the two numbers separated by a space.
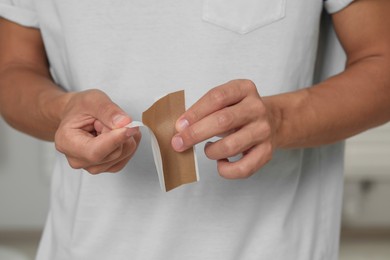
pixel 243 29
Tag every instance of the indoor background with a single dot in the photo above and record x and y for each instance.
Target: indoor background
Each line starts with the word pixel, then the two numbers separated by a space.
pixel 25 166
pixel 26 163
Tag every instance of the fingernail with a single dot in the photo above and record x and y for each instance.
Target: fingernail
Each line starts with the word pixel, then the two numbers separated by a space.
pixel 177 143
pixel 130 132
pixel 182 124
pixel 118 119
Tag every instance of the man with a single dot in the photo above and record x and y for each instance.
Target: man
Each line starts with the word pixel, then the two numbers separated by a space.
pixel 77 72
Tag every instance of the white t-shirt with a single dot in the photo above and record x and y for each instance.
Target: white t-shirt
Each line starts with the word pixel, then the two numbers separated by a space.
pixel 139 50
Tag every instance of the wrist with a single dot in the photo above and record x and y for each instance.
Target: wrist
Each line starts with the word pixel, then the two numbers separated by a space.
pixel 53 104
pixel 275 115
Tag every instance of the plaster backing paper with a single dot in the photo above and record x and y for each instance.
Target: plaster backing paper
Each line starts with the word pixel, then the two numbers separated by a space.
pixel 174 169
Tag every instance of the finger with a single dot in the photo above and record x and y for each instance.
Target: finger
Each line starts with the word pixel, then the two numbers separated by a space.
pixel 99 127
pixel 114 166
pixel 108 167
pixel 83 163
pixel 214 100
pixel 81 154
pixel 95 149
pixel 126 149
pixel 251 162
pixel 117 164
pixel 130 149
pixel 236 143
pixel 106 111
pixel 223 121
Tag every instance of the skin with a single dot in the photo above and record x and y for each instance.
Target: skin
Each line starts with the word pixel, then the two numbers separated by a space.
pixel 338 108
pixel 88 127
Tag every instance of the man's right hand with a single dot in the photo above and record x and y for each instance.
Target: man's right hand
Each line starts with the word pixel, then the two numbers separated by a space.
pixel 86 126
pixel 92 135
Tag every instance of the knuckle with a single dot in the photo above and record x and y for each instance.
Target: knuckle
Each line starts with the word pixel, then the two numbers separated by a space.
pixel 248 84
pixel 59 147
pixel 218 96
pixel 258 106
pixel 243 171
pixel 259 102
pixel 260 133
pixel 93 170
pixel 240 172
pixel 74 164
pixel 92 94
pixel 231 146
pixel 265 156
pixel 255 136
pixel 225 175
pixel 192 115
pixel 225 120
pixel 266 130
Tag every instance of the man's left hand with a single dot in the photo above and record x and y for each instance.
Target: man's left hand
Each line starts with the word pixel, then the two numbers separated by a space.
pixel 235 111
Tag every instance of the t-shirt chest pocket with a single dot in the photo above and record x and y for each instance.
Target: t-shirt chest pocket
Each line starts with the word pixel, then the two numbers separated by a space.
pixel 243 16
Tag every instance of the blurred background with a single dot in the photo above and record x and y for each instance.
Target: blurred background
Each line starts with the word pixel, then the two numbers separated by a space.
pixel 26 163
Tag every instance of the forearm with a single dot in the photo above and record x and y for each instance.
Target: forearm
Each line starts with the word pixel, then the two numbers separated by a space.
pixel 30 101
pixel 340 107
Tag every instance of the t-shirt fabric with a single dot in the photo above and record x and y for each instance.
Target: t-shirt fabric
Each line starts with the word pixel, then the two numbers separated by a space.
pixel 139 50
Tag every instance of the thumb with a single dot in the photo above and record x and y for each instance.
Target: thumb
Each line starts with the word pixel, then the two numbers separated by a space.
pixel 120 120
pixel 110 114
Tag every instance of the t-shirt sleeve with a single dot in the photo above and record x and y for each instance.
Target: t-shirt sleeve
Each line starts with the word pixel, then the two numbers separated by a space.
pixel 19 11
pixel 333 6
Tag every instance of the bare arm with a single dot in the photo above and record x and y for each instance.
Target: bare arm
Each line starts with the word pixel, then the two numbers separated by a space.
pixel 342 106
pixel 353 101
pixel 86 126
pixel 29 100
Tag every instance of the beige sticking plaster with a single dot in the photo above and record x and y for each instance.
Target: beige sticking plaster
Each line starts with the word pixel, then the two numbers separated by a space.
pixel 178 168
